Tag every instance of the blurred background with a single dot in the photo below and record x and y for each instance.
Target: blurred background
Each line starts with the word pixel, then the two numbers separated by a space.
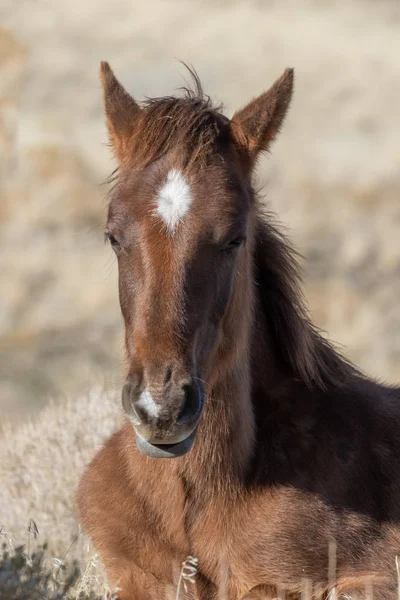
pixel 333 176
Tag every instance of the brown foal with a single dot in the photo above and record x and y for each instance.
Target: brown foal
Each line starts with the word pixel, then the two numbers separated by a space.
pixel 285 478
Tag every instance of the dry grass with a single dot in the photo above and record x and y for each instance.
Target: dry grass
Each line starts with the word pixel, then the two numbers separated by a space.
pixel 40 465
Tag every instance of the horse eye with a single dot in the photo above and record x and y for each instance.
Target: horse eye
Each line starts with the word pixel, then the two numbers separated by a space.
pixel 235 243
pixel 113 241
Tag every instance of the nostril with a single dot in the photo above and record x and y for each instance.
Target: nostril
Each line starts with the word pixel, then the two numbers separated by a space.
pixel 126 398
pixel 191 405
pixel 139 412
pixel 130 391
pixel 168 375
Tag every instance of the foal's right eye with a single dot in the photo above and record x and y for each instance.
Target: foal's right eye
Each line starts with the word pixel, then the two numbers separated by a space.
pixel 113 241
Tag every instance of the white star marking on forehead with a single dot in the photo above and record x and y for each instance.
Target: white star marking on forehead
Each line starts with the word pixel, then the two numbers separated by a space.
pixel 173 200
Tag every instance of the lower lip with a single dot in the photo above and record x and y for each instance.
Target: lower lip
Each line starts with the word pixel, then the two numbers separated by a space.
pixel 165 450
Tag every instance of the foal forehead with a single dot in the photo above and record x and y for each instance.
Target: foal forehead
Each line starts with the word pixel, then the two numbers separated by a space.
pixel 173 199
pixel 170 195
pixel 208 196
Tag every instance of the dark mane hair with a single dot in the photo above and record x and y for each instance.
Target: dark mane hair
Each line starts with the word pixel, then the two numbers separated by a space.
pixel 308 355
pixel 189 121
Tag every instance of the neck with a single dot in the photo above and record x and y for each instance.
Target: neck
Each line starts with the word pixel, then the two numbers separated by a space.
pixel 225 438
pixel 222 460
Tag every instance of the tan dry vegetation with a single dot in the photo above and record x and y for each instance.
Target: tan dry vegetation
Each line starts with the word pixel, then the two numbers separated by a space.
pixel 40 465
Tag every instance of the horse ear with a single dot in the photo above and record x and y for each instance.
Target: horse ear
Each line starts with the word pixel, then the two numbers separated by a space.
pixel 256 126
pixel 121 111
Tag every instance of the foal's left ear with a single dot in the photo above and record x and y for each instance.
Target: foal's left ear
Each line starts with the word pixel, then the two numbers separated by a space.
pixel 256 126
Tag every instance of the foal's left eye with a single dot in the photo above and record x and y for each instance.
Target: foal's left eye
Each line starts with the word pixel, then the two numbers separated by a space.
pixel 235 243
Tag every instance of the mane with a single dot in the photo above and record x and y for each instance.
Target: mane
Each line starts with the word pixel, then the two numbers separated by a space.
pixel 302 348
pixel 189 122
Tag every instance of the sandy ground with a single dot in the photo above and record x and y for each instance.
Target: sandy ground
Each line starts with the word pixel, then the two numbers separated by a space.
pixel 334 176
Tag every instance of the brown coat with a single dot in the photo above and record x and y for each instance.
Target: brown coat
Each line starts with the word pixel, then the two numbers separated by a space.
pixel 292 485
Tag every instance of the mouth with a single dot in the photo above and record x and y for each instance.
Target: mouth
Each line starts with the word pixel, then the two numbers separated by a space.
pixel 165 450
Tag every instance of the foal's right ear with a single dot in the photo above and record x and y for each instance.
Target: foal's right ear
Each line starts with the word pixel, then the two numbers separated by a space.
pixel 256 126
pixel 121 111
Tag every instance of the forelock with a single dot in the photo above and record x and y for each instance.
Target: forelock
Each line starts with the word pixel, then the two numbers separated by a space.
pixel 189 125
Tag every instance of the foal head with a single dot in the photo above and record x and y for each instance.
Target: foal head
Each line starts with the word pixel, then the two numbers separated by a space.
pixel 181 223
